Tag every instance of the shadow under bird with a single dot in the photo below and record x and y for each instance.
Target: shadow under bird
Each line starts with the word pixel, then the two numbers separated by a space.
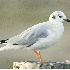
pixel 38 37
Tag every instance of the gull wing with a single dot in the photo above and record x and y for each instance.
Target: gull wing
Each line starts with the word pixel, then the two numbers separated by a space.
pixel 29 36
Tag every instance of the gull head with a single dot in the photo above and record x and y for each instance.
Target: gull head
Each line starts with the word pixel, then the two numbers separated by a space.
pixel 58 16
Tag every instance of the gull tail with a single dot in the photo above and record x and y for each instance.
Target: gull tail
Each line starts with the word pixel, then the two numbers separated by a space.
pixel 10 44
pixel 11 47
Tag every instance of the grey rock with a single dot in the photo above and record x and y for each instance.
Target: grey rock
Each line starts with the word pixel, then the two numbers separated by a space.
pixel 40 65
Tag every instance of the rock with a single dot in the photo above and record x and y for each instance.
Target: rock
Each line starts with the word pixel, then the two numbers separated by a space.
pixel 40 65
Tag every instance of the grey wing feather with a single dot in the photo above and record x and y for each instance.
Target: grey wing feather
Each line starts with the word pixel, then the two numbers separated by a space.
pixel 14 39
pixel 34 39
pixel 29 36
pixel 33 36
pixel 19 38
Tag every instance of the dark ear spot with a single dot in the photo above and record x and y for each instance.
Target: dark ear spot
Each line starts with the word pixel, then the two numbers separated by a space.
pixel 53 17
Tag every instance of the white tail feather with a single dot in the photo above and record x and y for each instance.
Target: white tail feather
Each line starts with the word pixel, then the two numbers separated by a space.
pixel 10 47
pixel 5 48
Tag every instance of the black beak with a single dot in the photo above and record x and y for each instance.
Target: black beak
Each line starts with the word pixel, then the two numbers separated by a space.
pixel 67 20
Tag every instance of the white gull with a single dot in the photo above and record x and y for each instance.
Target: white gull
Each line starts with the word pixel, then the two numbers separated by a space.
pixel 40 36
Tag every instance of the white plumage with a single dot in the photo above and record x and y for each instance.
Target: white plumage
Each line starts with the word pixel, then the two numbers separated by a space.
pixel 40 36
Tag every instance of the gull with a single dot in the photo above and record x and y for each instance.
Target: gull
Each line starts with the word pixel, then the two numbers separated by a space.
pixel 38 37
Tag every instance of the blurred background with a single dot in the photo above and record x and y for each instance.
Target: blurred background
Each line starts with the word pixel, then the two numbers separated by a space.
pixel 18 15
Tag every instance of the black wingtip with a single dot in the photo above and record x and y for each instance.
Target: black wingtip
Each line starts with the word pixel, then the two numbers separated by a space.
pixel 3 41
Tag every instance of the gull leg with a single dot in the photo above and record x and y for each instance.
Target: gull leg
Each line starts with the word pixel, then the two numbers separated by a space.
pixel 38 55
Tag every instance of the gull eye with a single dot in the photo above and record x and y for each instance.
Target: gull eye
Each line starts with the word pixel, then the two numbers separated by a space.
pixel 60 16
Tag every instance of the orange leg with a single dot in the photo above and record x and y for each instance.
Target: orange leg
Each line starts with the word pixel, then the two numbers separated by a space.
pixel 38 55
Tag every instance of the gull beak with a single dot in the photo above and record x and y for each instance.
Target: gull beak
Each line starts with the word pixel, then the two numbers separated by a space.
pixel 67 20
